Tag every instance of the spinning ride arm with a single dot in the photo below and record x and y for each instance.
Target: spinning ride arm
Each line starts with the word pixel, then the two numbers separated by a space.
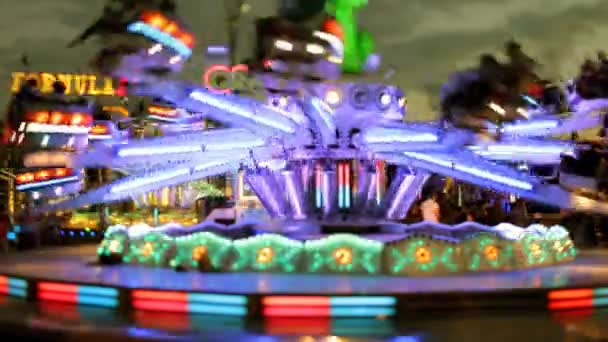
pixel 225 108
pixel 170 150
pixel 149 180
pixel 467 167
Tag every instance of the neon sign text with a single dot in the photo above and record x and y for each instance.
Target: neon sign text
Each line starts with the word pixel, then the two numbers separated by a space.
pixel 76 84
pixel 226 79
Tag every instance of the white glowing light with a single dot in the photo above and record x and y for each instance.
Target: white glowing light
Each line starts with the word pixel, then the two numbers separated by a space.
pixel 523 112
pixel 100 137
pixel 194 148
pixel 283 45
pixel 335 60
pixel 533 126
pixel 175 60
pixel 388 136
pixel 385 99
pixel 155 49
pixel 47 183
pixel 333 97
pixel 45 141
pixel 335 43
pixel 315 49
pixel 498 109
pixel 34 127
pixel 283 101
pixel 401 102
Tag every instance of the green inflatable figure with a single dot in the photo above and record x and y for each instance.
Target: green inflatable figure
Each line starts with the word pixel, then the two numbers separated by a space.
pixel 358 45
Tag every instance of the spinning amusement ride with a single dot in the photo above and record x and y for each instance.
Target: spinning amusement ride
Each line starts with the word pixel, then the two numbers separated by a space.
pixel 314 152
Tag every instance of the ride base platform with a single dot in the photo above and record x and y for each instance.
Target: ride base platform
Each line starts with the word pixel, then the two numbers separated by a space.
pixel 71 275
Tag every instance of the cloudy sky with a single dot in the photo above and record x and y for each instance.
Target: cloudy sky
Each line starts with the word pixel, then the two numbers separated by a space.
pixel 422 39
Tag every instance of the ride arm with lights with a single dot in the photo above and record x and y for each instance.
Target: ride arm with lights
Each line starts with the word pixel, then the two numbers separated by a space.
pixel 470 168
pixel 153 179
pixel 170 150
pixel 228 109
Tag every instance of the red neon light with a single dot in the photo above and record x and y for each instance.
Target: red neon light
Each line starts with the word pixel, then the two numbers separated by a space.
pixel 71 298
pixel 122 87
pixel 276 311
pixel 165 306
pixel 333 27
pixel 3 280
pixel 347 176
pixel 43 175
pixel 341 175
pixel 57 287
pixel 300 326
pixel 4 289
pixel 305 301
pixel 98 129
pixel 59 118
pixel 161 22
pixel 221 68
pixel 160 295
pixel 571 304
pixel 162 111
pixel 570 294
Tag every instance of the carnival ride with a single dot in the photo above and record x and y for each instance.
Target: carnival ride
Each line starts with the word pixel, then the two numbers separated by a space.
pixel 312 157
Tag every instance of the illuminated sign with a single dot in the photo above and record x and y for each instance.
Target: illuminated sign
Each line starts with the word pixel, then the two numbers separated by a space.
pixel 76 84
pixel 225 79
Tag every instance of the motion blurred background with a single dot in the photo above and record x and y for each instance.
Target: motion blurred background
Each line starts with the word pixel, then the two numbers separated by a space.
pixel 431 37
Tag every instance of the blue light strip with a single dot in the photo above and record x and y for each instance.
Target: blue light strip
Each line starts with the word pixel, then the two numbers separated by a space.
pixel 17 287
pixel 217 299
pixel 97 291
pixel 47 183
pixel 363 301
pixel 364 311
pixel 160 37
pixel 362 306
pixel 217 309
pixel 97 301
pixel 98 296
pixel 220 304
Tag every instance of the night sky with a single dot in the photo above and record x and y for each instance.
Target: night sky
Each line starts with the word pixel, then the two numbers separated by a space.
pixel 422 39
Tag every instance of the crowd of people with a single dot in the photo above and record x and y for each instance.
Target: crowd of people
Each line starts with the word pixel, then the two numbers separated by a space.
pixel 491 210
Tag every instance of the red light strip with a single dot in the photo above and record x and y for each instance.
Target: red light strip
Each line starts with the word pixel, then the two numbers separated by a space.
pixel 3 280
pixel 571 304
pixel 318 311
pixel 59 118
pixel 4 290
pixel 306 301
pixel 144 295
pixel 570 294
pixel 58 297
pixel 57 287
pixel 166 306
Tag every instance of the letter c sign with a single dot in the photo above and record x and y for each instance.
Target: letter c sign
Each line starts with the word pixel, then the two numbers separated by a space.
pixel 224 79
